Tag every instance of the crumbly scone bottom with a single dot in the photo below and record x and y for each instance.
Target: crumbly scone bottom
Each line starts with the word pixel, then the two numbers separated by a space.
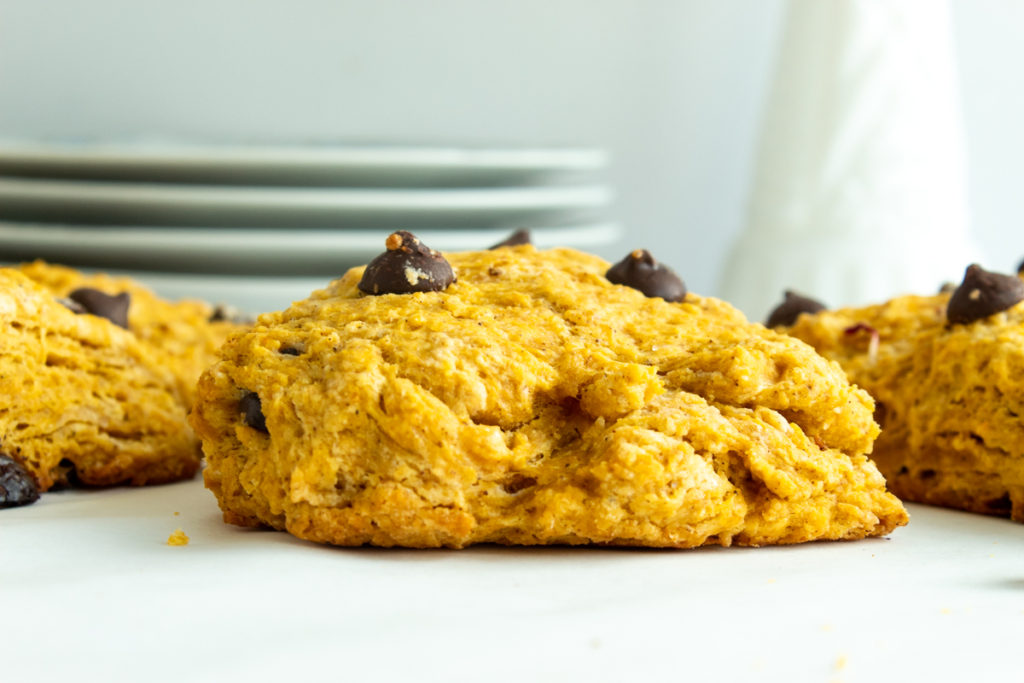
pixel 395 428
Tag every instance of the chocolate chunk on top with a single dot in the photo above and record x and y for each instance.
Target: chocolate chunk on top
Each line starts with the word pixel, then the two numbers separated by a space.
pixel 17 487
pixel 112 307
pixel 407 266
pixel 72 306
pixel 981 294
pixel 640 270
pixel 252 411
pixel 516 239
pixel 792 306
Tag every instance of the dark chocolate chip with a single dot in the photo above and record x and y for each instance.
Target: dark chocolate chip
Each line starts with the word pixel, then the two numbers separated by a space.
pixel 640 271
pixel 113 308
pixel 1020 268
pixel 289 351
pixel 252 409
pixel 981 294
pixel 224 312
pixel 17 487
pixel 519 237
pixel 792 306
pixel 407 266
pixel 72 306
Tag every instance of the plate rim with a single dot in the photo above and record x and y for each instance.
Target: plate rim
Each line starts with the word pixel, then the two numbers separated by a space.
pixel 313 156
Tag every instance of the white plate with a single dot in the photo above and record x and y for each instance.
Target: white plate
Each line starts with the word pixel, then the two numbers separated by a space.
pixel 264 251
pixel 297 165
pixel 206 205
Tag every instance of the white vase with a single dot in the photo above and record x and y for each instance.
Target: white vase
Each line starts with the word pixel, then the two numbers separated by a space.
pixel 859 191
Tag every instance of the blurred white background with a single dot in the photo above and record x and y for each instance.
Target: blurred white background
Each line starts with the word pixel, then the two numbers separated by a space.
pixel 673 89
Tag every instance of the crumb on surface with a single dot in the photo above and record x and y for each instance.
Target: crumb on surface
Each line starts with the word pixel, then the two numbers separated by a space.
pixel 841 662
pixel 178 537
pixel 176 513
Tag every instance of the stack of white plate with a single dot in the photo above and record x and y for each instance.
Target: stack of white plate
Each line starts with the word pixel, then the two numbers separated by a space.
pixel 258 227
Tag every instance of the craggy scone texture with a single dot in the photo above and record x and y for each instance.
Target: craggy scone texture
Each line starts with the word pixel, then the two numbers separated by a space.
pixel 950 397
pixel 181 331
pixel 83 400
pixel 534 402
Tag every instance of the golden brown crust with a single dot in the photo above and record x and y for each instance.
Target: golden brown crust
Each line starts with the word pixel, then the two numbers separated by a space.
pixel 534 402
pixel 950 397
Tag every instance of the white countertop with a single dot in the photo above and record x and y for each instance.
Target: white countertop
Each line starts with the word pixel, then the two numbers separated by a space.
pixel 91 591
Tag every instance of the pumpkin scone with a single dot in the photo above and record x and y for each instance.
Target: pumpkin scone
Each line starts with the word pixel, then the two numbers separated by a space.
pixel 82 400
pixel 520 396
pixel 946 372
pixel 186 333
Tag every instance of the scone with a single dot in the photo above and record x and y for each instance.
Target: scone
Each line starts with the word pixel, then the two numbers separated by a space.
pixel 82 400
pixel 186 333
pixel 518 396
pixel 945 371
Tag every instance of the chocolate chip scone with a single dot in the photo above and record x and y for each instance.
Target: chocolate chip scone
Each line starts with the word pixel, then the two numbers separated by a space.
pixel 186 333
pixel 945 371
pixel 518 396
pixel 82 400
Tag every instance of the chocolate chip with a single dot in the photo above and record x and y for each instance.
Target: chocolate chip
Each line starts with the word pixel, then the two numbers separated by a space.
pixel 72 306
pixel 407 266
pixel 640 271
pixel 17 487
pixel 252 409
pixel 947 287
pixel 792 306
pixel 224 312
pixel 289 351
pixel 1020 268
pixel 981 294
pixel 519 237
pixel 112 307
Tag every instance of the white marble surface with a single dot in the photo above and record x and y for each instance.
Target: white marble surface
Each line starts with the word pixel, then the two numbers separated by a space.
pixel 91 591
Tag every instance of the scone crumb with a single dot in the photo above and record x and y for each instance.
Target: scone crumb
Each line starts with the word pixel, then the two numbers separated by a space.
pixel 178 537
pixel 841 662
pixel 177 514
